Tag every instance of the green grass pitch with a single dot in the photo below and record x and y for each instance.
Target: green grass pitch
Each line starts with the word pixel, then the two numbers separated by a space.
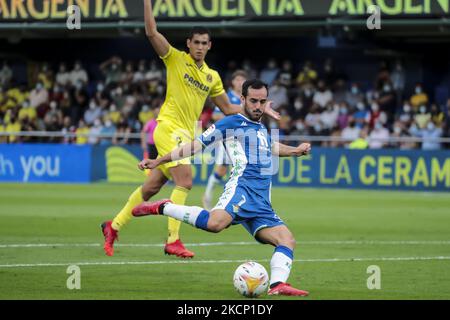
pixel 339 233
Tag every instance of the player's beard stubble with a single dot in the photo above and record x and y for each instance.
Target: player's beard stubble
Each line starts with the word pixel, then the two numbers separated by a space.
pixel 254 115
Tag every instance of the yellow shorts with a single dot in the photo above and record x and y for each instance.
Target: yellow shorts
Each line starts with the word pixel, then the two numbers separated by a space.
pixel 168 137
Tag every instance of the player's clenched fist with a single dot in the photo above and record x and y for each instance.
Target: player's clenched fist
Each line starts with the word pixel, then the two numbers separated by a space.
pixel 148 164
pixel 304 149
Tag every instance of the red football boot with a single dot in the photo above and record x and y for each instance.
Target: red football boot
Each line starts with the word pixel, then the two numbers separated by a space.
pixel 149 208
pixel 285 289
pixel 177 248
pixel 110 235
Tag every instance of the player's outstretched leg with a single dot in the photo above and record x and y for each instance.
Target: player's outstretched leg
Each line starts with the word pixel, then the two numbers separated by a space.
pixel 281 262
pixel 280 267
pixel 200 218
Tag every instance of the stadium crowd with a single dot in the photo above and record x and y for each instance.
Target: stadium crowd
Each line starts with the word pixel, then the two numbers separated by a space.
pixel 312 101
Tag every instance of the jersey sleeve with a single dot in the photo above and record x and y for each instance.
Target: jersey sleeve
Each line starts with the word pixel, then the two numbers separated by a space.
pixel 217 89
pixel 217 132
pixel 171 55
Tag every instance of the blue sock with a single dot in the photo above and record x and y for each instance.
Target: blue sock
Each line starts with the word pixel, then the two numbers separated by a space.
pixel 202 220
pixel 286 251
pixel 217 176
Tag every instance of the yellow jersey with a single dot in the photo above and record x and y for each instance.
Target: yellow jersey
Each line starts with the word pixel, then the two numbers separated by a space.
pixel 29 113
pixel 13 128
pixel 188 86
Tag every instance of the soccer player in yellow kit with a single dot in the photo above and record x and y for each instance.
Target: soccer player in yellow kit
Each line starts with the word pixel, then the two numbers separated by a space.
pixel 189 82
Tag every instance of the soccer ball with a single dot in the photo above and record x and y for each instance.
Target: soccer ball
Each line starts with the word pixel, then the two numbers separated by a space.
pixel 251 279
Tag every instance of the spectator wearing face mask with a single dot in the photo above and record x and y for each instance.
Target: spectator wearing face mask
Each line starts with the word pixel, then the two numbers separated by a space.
pixel 343 117
pixel 350 133
pixel 93 113
pixel 421 119
pixel 354 95
pixel 54 117
pixel 300 128
pixel 430 135
pixel 312 120
pixel 387 99
pixel 399 131
pixel 375 115
pixel 145 114
pixel 82 132
pixel 108 129
pixel 119 99
pixel 113 114
pixel 419 98
pixel 361 114
pixel 27 112
pixel 298 110
pixel 379 136
pixel 78 74
pixel 329 117
pixel 111 69
pixel 94 132
pixel 270 72
pixel 38 96
pixel 323 95
pixel 406 115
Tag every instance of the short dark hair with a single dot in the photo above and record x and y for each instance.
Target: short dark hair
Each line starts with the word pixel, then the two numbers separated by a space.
pixel 199 30
pixel 253 84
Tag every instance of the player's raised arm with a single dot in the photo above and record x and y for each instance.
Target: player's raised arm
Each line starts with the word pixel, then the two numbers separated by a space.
pixel 179 153
pixel 158 41
pixel 283 150
pixel 224 104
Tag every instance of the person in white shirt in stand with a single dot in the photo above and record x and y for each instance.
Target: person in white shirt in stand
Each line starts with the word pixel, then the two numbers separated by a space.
pixel 38 96
pixel 78 74
pixel 379 137
pixel 350 133
pixel 63 76
pixel 323 95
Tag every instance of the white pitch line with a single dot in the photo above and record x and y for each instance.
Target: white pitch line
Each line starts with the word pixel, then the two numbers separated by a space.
pixel 206 244
pixel 117 263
